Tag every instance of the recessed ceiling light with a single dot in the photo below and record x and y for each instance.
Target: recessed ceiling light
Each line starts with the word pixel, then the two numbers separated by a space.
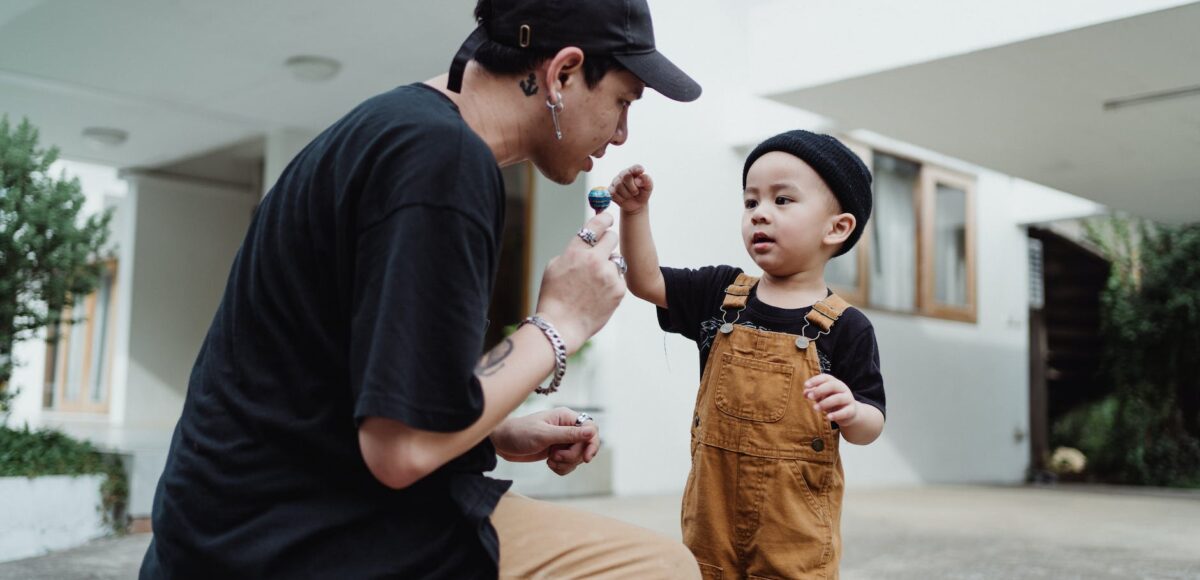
pixel 313 69
pixel 105 136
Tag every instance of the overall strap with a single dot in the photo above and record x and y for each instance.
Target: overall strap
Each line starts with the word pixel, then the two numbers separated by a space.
pixel 738 293
pixel 826 312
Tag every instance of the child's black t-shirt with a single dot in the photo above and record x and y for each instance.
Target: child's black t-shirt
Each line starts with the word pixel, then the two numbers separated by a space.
pixel 849 352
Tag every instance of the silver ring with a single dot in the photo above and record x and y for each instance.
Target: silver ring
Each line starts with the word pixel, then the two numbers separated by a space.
pixel 582 418
pixel 588 236
pixel 619 260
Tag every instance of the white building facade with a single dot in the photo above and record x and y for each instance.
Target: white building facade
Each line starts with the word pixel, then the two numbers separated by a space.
pixel 950 309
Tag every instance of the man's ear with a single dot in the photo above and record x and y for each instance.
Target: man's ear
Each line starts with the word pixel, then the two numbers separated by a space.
pixel 559 71
pixel 840 228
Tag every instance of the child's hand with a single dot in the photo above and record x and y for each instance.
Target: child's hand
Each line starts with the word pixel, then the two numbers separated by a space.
pixel 833 398
pixel 631 189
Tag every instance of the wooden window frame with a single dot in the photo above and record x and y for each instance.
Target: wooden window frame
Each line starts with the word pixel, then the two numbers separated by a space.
pixel 524 261
pixel 862 249
pixel 926 305
pixel 931 176
pixel 62 351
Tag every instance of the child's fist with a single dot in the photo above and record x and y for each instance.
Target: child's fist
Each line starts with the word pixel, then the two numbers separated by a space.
pixel 832 398
pixel 631 189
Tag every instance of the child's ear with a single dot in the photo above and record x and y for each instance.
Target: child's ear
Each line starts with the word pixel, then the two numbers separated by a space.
pixel 840 228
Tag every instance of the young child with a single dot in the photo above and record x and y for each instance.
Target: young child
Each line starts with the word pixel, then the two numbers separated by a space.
pixel 786 364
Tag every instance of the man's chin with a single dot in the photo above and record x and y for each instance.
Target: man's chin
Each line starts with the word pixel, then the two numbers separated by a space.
pixel 559 176
pixel 566 179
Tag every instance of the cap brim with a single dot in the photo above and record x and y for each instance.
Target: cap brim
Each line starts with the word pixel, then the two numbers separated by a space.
pixel 661 75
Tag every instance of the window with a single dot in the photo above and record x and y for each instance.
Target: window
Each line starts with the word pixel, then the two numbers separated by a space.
pixel 79 363
pixel 917 253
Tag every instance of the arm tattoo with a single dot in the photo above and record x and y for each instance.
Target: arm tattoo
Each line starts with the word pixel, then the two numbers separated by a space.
pixel 493 361
pixel 529 85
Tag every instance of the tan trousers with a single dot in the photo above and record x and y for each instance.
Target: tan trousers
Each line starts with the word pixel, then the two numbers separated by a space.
pixel 543 540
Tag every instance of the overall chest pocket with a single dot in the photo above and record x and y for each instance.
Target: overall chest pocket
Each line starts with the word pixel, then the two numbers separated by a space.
pixel 753 390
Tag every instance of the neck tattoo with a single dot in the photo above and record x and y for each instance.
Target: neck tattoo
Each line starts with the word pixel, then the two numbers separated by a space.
pixel 529 85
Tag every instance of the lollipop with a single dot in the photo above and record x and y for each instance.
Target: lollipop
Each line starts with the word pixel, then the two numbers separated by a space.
pixel 599 198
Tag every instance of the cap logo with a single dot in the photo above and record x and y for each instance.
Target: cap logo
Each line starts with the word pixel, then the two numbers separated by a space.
pixel 524 36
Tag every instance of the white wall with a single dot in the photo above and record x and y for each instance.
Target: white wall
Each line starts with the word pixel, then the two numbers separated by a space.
pixel 48 513
pixel 558 212
pixel 187 235
pixel 281 147
pixel 647 381
pixel 183 239
pixel 27 380
pixel 958 393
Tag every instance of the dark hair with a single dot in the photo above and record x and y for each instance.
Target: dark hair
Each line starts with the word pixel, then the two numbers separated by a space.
pixel 504 60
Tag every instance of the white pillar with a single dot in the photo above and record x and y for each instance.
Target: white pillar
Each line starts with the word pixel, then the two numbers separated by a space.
pixel 281 146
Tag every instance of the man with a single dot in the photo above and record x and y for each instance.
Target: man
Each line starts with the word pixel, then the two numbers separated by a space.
pixel 338 420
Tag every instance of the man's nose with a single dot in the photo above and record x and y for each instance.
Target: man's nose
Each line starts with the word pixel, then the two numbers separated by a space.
pixel 622 133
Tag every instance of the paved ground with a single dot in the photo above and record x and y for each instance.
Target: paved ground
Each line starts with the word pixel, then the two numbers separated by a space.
pixel 923 533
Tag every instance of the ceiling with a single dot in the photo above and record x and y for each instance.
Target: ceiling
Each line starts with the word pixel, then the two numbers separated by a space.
pixel 197 84
pixel 189 76
pixel 1036 109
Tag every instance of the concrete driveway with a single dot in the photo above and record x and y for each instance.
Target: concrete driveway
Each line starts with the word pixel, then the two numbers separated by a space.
pixel 926 533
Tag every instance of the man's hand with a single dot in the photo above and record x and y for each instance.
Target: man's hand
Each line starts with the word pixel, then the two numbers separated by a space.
pixel 550 435
pixel 831 397
pixel 582 287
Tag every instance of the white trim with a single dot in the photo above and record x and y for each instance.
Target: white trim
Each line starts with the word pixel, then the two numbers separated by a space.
pixel 118 381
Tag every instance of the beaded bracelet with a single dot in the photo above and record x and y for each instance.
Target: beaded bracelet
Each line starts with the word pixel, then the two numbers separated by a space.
pixel 560 353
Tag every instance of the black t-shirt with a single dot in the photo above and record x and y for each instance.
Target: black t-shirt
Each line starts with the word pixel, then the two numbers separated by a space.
pixel 849 352
pixel 361 290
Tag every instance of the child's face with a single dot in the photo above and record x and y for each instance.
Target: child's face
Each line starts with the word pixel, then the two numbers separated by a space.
pixel 792 221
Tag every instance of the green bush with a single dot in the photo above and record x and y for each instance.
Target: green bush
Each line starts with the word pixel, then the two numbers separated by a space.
pixel 1131 438
pixel 1148 431
pixel 1148 444
pixel 1086 428
pixel 25 453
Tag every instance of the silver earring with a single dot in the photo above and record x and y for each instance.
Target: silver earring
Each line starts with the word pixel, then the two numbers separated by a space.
pixel 555 109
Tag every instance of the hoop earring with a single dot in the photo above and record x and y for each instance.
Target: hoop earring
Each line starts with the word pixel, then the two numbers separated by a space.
pixel 555 109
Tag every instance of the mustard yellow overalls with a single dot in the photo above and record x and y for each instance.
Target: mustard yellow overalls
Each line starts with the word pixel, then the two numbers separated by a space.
pixel 764 497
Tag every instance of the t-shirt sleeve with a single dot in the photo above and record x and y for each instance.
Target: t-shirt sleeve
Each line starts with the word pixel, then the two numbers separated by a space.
pixel 419 316
pixel 693 296
pixel 423 274
pixel 857 364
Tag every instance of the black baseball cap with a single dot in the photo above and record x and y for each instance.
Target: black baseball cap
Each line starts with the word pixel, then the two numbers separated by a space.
pixel 617 28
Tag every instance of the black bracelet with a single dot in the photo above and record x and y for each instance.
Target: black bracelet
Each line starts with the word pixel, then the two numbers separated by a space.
pixel 560 353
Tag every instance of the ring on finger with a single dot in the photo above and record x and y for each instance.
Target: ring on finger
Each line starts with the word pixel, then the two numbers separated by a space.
pixel 588 236
pixel 619 260
pixel 582 418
